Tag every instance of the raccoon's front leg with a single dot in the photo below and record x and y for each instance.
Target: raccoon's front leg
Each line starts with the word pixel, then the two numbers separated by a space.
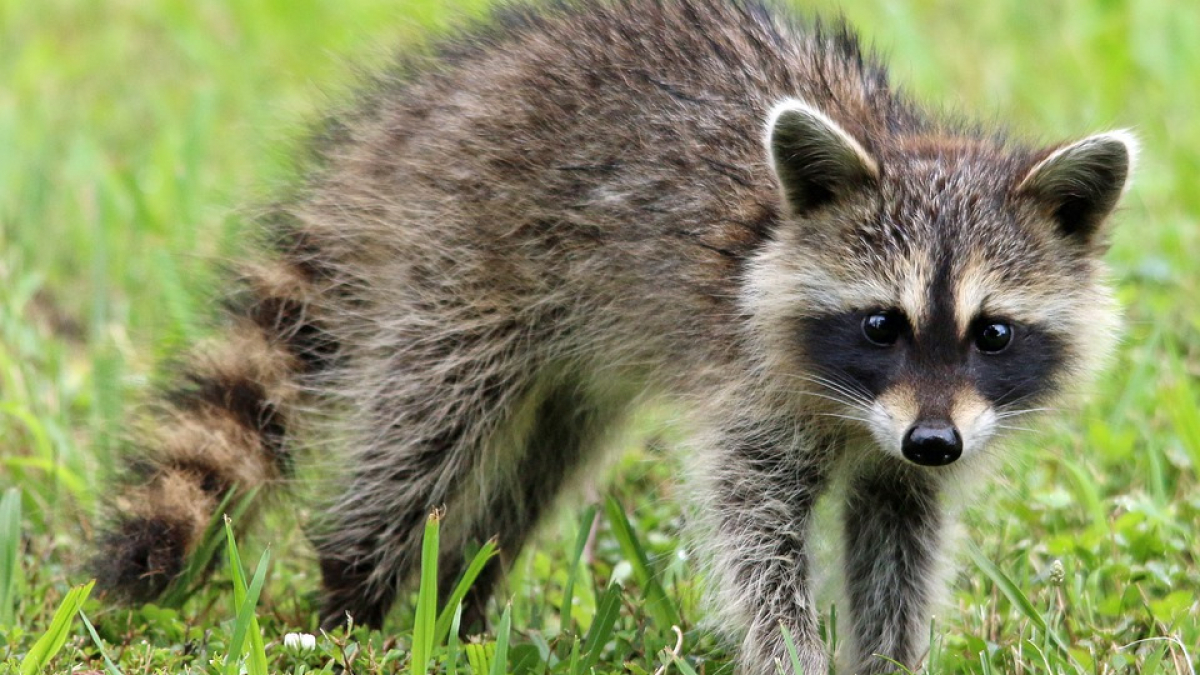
pixel 764 486
pixel 894 527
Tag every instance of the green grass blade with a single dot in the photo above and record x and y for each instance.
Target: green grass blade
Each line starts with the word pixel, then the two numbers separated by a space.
pixel 1087 491
pixel 568 602
pixel 246 599
pixel 1181 407
pixel 35 427
pixel 1041 653
pixel 658 605
pixel 985 664
pixel 683 666
pixel 790 645
pixel 500 658
pixel 607 610
pixel 1013 592
pixel 901 669
pixel 452 648
pixel 477 659
pixel 10 552
pixel 55 637
pixel 47 453
pixel 258 649
pixel 238 575
pixel 108 664
pixel 831 629
pixel 574 666
pixel 1007 586
pixel 443 627
pixel 1153 663
pixel 246 624
pixel 424 624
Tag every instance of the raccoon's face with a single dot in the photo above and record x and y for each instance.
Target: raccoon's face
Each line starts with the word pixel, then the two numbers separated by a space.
pixel 935 290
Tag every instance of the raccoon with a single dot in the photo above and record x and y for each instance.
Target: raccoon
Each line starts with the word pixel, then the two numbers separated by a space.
pixel 513 238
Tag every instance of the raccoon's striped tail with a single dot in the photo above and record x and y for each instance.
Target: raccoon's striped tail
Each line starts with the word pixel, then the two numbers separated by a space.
pixel 222 427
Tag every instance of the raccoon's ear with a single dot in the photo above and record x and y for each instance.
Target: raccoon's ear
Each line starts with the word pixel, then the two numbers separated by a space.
pixel 815 160
pixel 1081 183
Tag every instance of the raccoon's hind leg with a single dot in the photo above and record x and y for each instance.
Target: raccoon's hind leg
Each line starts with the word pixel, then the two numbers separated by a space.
pixel 566 431
pixel 487 441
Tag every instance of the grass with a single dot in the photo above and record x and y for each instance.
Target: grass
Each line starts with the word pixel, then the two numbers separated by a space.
pixel 131 132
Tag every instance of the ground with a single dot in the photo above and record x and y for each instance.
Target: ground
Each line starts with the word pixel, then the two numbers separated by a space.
pixel 132 133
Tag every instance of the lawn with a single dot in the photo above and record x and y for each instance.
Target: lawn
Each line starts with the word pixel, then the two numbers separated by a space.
pixel 133 133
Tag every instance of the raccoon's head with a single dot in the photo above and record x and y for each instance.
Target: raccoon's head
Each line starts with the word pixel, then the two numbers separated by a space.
pixel 931 289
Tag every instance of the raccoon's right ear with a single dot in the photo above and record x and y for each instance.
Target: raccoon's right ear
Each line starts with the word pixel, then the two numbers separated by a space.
pixel 815 160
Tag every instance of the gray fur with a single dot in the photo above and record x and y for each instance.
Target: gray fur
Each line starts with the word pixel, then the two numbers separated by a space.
pixel 509 243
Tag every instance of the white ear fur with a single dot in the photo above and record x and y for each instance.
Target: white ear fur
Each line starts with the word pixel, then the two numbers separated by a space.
pixel 1083 181
pixel 814 158
pixel 1124 137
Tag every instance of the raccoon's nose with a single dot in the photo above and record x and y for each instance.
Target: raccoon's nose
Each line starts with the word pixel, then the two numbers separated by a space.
pixel 933 443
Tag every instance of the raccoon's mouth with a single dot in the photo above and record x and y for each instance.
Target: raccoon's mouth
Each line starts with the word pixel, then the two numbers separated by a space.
pixel 931 439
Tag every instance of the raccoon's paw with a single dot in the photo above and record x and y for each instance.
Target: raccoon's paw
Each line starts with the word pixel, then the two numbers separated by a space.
pixel 139 557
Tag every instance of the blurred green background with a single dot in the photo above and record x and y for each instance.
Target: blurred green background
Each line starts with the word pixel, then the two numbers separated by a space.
pixel 134 132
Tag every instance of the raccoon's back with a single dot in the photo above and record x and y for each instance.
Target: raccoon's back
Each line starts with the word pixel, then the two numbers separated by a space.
pixel 614 140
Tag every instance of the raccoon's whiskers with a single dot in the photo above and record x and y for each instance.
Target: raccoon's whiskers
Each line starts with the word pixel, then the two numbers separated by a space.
pixel 849 392
pixel 1005 414
pixel 845 381
pixel 844 417
pixel 855 405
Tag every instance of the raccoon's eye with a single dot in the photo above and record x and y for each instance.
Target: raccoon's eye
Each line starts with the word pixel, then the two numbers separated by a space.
pixel 993 336
pixel 883 328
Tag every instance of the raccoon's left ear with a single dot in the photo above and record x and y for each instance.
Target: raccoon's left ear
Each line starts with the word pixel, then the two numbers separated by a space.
pixel 1080 184
pixel 816 161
